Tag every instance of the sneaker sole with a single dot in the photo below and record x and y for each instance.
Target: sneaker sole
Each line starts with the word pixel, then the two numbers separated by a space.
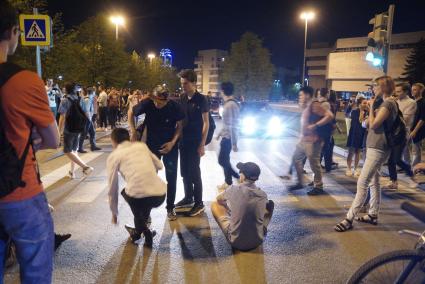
pixel 197 213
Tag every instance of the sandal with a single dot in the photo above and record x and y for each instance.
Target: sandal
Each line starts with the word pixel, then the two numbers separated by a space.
pixel 369 219
pixel 344 226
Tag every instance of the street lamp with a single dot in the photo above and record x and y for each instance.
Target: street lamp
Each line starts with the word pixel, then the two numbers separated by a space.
pixel 151 56
pixel 306 16
pixel 118 21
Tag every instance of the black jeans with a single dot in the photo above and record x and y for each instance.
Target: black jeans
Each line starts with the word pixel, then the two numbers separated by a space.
pixel 89 129
pixel 170 162
pixel 141 208
pixel 113 114
pixel 395 160
pixel 190 171
pixel 103 117
pixel 327 153
pixel 224 160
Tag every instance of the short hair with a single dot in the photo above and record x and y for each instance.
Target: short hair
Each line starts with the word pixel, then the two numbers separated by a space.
pixel 70 87
pixel 120 135
pixel 404 86
pixel 386 83
pixel 307 90
pixel 324 92
pixel 419 85
pixel 188 74
pixel 359 100
pixel 227 88
pixel 8 18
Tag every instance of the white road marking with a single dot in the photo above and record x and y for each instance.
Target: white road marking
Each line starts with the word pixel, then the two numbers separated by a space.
pixel 89 190
pixel 61 172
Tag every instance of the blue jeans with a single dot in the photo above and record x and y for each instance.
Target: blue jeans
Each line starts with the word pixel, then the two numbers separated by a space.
pixel 89 129
pixel 30 226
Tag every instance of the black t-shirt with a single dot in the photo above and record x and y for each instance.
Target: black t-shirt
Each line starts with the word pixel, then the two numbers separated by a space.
pixel 193 109
pixel 419 115
pixel 160 122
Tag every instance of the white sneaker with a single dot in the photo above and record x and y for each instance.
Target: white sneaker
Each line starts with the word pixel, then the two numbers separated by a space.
pixel 88 171
pixel 349 173
pixel 357 173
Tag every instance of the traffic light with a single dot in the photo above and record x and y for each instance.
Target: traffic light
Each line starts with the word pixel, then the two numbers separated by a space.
pixel 379 39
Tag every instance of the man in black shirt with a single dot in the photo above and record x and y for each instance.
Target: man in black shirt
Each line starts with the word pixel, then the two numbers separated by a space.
pixel 163 122
pixel 192 144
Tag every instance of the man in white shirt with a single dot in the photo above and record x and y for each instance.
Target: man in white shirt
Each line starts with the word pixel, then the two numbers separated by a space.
pixel 144 189
pixel 407 107
pixel 102 100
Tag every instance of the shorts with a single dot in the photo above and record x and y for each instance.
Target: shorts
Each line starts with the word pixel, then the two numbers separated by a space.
pixel 70 142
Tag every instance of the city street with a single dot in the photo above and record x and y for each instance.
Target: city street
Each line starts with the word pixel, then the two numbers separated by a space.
pixel 301 246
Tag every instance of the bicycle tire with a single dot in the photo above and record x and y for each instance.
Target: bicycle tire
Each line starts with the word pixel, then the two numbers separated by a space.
pixel 383 259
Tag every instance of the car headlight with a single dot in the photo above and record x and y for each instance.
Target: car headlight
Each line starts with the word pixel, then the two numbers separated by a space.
pixel 220 111
pixel 249 125
pixel 275 126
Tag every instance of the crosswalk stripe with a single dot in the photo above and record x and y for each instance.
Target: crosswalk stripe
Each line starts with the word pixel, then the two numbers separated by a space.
pixel 58 174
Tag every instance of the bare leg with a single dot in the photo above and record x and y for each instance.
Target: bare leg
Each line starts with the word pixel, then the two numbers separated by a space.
pixel 356 158
pixel 76 159
pixel 349 159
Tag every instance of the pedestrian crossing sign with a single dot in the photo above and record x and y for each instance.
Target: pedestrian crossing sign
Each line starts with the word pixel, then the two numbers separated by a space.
pixel 36 30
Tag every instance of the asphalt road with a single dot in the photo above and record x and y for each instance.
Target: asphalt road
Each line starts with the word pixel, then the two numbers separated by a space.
pixel 301 246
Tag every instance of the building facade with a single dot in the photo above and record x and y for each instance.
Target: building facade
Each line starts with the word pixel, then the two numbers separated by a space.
pixel 209 63
pixel 344 68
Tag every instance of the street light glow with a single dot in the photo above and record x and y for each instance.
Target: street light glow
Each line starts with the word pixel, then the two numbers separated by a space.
pixel 307 15
pixel 151 56
pixel 117 20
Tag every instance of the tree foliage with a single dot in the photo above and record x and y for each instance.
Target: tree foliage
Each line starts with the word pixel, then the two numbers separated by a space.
pixel 415 64
pixel 249 68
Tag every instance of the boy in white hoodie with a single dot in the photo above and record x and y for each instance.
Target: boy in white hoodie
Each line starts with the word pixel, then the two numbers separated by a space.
pixel 144 189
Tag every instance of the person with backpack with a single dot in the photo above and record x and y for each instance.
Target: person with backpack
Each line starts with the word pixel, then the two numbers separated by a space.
pixel 228 134
pixel 400 142
pixel 89 99
pixel 26 125
pixel 164 123
pixel 380 139
pixel 72 123
pixel 314 119
pixel 195 135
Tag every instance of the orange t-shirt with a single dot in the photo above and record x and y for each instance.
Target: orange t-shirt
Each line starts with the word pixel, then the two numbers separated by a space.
pixel 24 101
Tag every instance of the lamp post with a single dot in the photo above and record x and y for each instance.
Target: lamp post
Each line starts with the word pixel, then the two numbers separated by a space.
pixel 118 21
pixel 306 16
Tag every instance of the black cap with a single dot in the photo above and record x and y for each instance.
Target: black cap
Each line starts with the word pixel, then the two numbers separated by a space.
pixel 250 170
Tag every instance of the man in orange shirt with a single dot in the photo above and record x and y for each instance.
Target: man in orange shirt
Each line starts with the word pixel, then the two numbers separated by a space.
pixel 26 117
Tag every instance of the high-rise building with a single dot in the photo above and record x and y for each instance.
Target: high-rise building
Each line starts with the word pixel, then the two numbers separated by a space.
pixel 209 63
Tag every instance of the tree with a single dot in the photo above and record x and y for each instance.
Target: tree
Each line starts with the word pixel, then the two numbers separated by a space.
pixel 249 68
pixel 415 64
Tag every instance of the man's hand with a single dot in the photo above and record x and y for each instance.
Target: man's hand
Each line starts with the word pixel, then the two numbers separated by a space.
pixel 235 148
pixel 166 148
pixel 36 139
pixel 201 150
pixel 311 127
pixel 114 219
pixel 133 135
pixel 412 135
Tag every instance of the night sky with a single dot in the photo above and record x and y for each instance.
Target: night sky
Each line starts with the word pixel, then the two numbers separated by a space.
pixel 186 26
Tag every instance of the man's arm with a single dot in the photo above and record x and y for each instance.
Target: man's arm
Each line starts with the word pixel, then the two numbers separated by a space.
pixel 234 127
pixel 112 173
pixel 46 137
pixel 61 123
pixel 326 115
pixel 206 126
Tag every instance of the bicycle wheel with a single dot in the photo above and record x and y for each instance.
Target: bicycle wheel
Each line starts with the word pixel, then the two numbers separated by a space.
pixel 403 266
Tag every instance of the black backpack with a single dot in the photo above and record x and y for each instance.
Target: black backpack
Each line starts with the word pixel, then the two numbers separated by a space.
pixel 397 135
pixel 11 165
pixel 76 119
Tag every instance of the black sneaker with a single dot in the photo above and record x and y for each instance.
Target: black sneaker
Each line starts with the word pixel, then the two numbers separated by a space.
pixel 311 184
pixel 133 234
pixel 59 239
pixel 95 148
pixel 315 191
pixel 196 210
pixel 82 151
pixel 171 214
pixel 295 187
pixel 184 203
pixel 149 237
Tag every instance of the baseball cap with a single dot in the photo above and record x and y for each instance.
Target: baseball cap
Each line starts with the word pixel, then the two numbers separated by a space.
pixel 250 170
